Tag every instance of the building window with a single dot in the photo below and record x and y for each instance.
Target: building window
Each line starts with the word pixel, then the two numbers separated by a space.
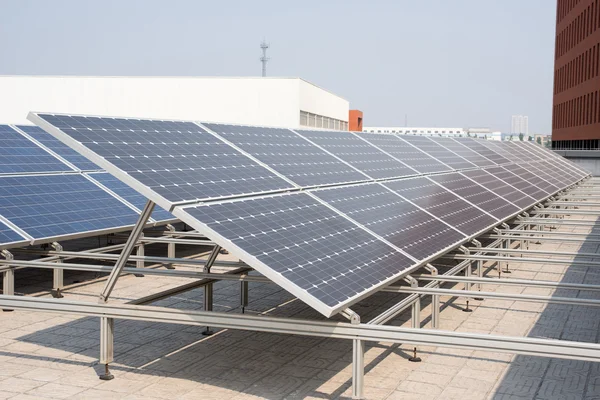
pixel 320 121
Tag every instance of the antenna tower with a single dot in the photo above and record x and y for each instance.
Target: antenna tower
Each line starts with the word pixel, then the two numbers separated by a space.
pixel 264 46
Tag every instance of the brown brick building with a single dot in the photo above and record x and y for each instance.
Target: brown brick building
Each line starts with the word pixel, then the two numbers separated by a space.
pixel 576 105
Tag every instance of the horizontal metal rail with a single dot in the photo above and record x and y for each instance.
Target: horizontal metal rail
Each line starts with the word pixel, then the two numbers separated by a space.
pixel 510 282
pixel 340 330
pixel 564 211
pixel 574 203
pixel 185 234
pixel 179 241
pixel 495 295
pixel 541 238
pixel 543 252
pixel 149 259
pixel 547 233
pixel 134 270
pixel 519 259
pixel 556 221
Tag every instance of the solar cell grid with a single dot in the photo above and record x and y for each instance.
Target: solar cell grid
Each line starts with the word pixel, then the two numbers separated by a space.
pixel 308 246
pixel 518 182
pixel 7 235
pixel 476 194
pixel 358 153
pixel 443 204
pixel 177 160
pixel 482 150
pixel 568 177
pixel 406 153
pixel 559 179
pixel 18 154
pixel 56 205
pixel 555 159
pixel 500 187
pixel 385 213
pixel 59 148
pixel 438 152
pixel 130 195
pixel 289 154
pixel 464 151
pixel 533 179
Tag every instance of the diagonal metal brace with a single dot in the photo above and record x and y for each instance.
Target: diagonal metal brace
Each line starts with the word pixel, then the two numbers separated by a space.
pixel 126 252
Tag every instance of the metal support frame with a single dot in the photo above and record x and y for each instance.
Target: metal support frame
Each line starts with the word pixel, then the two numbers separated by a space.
pixel 244 295
pixel 58 274
pixel 435 300
pixel 208 289
pixel 415 315
pixel 8 277
pixel 171 250
pixel 107 353
pixel 358 357
pixel 529 260
pixel 126 252
pixel 139 263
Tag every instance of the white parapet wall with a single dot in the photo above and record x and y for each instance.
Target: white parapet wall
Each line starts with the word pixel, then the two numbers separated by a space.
pixel 243 100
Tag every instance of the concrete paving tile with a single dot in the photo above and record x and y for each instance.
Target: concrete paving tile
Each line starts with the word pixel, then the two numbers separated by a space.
pixel 18 385
pixel 400 395
pixel 122 385
pixel 95 394
pixel 43 374
pixel 56 391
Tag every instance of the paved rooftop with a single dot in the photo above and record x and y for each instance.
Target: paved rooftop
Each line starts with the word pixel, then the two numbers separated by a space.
pixel 55 356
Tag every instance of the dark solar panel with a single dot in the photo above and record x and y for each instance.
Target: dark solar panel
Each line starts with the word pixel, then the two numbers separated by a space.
pixel 475 145
pixel 59 148
pixel 406 153
pixel 130 195
pixel 517 182
pixel 557 161
pixel 558 178
pixel 476 194
pixel 46 206
pixel 463 151
pixel 501 188
pixel 401 223
pixel 443 204
pixel 533 179
pixel 178 160
pixel 310 248
pixel 18 154
pixel 289 154
pixel 358 153
pixel 7 235
pixel 438 152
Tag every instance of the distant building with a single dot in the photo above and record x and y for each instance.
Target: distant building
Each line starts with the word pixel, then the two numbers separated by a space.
pixel 520 124
pixel 446 132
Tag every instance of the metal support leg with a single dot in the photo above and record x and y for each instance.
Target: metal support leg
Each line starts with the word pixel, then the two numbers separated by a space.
pixel 358 369
pixel 107 327
pixel 244 295
pixel 141 251
pixel 208 289
pixel 171 251
pixel 58 281
pixel 8 278
pixel 506 245
pixel 126 252
pixel 435 300
pixel 416 315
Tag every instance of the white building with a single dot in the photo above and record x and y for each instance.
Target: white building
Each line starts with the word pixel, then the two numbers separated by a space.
pixel 285 102
pixel 520 124
pixel 449 132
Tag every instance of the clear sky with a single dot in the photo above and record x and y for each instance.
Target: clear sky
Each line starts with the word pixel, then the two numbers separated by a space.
pixel 442 62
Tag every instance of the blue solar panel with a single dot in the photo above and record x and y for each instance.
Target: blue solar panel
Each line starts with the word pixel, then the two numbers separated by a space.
pixel 59 148
pixel 289 154
pixel 18 154
pixel 130 195
pixel 7 235
pixel 178 160
pixel 59 205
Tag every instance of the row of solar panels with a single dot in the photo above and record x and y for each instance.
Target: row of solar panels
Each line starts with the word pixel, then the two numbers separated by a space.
pixel 330 216
pixel 49 192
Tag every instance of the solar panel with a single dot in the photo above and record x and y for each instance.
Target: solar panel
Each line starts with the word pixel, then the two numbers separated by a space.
pixel 406 153
pixel 476 194
pixel 9 236
pixel 533 179
pixel 443 204
pixel 502 148
pixel 47 206
pixel 18 154
pixel 59 148
pixel 130 195
pixel 177 160
pixel 289 154
pixel 463 151
pixel 438 152
pixel 517 182
pixel 475 145
pixel 559 179
pixel 403 224
pixel 501 188
pixel 361 155
pixel 302 245
pixel 550 156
